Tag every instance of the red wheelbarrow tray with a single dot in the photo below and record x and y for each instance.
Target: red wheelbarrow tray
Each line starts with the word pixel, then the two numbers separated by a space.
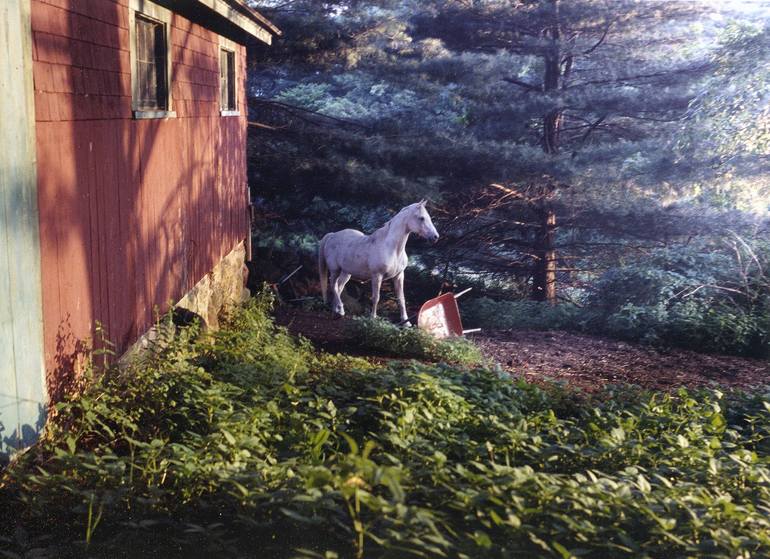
pixel 440 316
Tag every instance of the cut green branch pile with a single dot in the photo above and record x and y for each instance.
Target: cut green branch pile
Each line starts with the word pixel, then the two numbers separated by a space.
pixel 381 336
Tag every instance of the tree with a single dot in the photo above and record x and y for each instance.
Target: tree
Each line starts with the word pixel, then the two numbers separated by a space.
pixel 508 115
pixel 599 77
pixel 728 134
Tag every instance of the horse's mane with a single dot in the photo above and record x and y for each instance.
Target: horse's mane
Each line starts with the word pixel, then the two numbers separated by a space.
pixel 385 229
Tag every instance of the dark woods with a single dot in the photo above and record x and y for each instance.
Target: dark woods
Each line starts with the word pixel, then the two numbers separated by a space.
pixel 562 144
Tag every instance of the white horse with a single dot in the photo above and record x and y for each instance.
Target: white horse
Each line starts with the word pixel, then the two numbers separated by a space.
pixel 379 256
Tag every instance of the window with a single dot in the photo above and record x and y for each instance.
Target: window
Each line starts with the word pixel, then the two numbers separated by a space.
pixel 149 26
pixel 228 78
pixel 227 81
pixel 151 86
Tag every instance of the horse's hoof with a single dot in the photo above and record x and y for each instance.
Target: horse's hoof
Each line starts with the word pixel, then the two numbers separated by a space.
pixel 406 324
pixel 337 316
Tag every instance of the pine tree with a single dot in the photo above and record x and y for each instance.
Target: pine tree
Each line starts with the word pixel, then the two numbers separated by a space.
pixel 546 130
pixel 603 75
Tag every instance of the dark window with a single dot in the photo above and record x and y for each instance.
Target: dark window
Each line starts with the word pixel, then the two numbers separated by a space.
pixel 151 55
pixel 227 80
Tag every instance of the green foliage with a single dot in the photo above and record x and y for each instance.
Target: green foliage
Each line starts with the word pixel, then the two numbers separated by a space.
pixel 485 312
pixel 727 137
pixel 384 337
pixel 373 104
pixel 699 297
pixel 734 110
pixel 710 296
pixel 691 324
pixel 247 444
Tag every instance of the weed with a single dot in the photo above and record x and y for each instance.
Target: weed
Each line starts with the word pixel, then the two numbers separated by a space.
pixel 247 443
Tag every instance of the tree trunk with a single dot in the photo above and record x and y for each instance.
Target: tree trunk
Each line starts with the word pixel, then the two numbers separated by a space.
pixel 552 79
pixel 544 275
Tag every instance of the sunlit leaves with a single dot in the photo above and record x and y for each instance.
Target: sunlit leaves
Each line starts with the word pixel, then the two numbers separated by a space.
pixel 272 447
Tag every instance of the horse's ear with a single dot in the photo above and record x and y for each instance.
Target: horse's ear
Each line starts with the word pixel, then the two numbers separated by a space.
pixel 423 202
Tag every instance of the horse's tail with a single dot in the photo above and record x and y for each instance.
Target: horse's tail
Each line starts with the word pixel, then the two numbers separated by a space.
pixel 323 270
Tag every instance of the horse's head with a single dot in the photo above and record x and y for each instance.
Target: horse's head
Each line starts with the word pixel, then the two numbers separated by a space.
pixel 420 222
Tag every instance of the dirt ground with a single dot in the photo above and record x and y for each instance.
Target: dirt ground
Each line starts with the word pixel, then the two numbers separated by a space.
pixel 586 362
pixel 591 362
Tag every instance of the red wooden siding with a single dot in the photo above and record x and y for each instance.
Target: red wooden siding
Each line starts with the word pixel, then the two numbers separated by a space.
pixel 133 213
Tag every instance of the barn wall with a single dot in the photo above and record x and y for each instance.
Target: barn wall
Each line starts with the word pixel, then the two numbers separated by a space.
pixel 22 390
pixel 133 213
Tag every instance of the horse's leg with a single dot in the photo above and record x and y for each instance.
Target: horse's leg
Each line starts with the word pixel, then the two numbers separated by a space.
pixel 376 283
pixel 339 284
pixel 331 297
pixel 398 285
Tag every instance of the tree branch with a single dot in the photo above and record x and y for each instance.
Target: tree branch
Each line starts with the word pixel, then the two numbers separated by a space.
pixel 525 85
pixel 600 41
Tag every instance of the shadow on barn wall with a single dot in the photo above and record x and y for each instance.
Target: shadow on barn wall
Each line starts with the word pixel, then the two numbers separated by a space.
pixel 20 439
pixel 133 212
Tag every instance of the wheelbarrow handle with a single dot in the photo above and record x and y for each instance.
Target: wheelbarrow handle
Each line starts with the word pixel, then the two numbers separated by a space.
pixel 286 278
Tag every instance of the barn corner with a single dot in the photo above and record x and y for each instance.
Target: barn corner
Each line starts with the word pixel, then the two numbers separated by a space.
pixel 128 189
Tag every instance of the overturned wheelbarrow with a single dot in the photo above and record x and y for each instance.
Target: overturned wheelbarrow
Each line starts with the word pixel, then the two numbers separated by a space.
pixel 441 317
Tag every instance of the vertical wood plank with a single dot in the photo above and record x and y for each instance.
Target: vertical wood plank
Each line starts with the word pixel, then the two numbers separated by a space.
pixel 22 381
pixel 128 199
pixel 48 178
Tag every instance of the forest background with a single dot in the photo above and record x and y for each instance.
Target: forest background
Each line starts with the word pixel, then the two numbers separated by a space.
pixel 606 158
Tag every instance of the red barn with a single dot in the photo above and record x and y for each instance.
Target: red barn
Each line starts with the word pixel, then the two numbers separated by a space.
pixel 124 186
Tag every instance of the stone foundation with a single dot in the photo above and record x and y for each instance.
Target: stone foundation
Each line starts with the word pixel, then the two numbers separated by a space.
pixel 221 288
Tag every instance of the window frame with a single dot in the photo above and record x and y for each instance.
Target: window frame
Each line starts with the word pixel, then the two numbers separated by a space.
pixel 231 47
pixel 148 10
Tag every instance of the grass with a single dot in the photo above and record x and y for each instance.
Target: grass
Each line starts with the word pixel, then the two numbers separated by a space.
pixel 248 443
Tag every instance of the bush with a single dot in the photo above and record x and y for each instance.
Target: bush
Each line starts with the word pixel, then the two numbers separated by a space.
pixel 698 297
pixel 484 312
pixel 691 325
pixel 248 444
pixel 693 297
pixel 384 337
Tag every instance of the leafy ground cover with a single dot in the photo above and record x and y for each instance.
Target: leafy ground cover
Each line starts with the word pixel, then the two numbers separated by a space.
pixel 249 443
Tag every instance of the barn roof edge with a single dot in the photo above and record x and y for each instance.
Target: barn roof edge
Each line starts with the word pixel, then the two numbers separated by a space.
pixel 239 14
pixel 254 14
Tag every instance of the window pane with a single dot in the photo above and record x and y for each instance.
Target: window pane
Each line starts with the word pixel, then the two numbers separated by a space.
pixel 223 79
pixel 231 80
pixel 227 80
pixel 160 65
pixel 151 52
